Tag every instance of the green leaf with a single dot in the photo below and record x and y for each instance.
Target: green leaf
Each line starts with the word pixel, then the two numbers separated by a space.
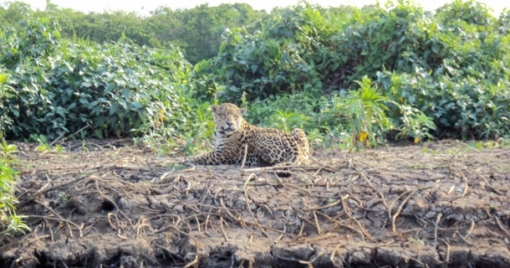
pixel 113 109
pixel 98 133
pixel 136 105
pixel 435 48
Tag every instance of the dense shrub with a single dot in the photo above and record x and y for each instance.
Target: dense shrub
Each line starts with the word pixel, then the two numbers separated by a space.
pixel 274 60
pixel 196 31
pixel 52 86
pixel 450 66
pixel 369 74
pixel 464 83
pixel 346 119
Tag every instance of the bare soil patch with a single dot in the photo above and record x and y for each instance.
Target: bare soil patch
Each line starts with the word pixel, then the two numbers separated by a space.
pixel 113 205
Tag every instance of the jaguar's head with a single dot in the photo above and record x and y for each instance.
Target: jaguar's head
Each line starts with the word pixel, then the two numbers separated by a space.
pixel 228 118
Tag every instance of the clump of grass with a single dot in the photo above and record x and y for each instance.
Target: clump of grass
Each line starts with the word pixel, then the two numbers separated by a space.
pixel 10 223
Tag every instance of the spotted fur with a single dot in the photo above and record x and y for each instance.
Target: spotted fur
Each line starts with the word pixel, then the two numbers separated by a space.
pixel 266 146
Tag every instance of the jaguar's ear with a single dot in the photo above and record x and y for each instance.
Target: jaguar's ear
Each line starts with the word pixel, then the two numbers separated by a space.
pixel 242 110
pixel 214 108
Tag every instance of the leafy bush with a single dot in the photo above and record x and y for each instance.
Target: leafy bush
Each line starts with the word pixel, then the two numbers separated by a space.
pixel 350 118
pixel 432 69
pixel 271 61
pixel 300 50
pixel 504 22
pixel 197 31
pixel 469 12
pixel 53 86
pixel 463 83
pixel 469 108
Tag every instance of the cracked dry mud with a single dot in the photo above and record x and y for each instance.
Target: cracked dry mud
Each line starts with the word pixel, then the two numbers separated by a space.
pixel 441 205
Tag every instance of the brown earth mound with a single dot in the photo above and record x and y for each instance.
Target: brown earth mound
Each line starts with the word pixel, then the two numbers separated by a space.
pixel 443 205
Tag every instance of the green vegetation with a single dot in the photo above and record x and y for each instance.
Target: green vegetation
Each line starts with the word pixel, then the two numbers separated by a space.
pixel 450 67
pixel 197 31
pixel 352 78
pixel 9 221
pixel 53 86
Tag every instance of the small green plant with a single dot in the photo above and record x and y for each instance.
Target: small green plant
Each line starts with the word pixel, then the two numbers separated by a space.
pixel 490 144
pixel 416 240
pixel 63 199
pixel 505 143
pixel 285 120
pixel 479 145
pixel 84 147
pixel 59 149
pixel 414 123
pixel 365 111
pixel 10 223
pixel 43 142
pixel 7 149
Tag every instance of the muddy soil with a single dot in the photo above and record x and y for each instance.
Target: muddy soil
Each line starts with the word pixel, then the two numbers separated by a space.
pixel 109 204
